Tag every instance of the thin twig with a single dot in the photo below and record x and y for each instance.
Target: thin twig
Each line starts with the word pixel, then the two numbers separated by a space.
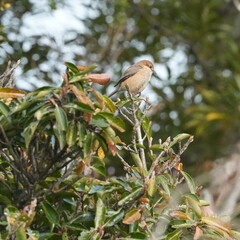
pixel 69 185
pixel 126 165
pixel 138 130
pixel 7 78
pixel 147 131
pixel 154 164
pixel 125 116
pixel 185 146
pixel 10 146
pixel 9 161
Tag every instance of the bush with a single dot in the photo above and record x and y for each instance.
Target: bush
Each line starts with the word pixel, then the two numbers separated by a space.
pixel 53 179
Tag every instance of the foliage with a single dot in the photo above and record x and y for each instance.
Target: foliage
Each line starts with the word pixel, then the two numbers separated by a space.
pixel 202 44
pixel 53 179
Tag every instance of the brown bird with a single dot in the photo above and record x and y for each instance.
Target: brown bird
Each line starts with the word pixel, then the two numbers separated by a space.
pixel 135 78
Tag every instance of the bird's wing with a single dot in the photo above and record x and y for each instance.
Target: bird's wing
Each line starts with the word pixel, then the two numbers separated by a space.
pixel 128 73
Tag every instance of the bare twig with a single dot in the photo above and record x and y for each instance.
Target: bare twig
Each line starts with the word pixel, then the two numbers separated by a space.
pixel 69 185
pixel 154 164
pixel 125 164
pixel 7 186
pixel 16 158
pixel 7 78
pixel 137 127
pixel 185 146
pixel 125 116
pixel 9 161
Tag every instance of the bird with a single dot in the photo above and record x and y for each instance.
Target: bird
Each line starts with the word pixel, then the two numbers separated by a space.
pixel 135 78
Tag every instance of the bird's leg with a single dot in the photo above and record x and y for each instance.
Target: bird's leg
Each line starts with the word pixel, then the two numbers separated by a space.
pixel 138 94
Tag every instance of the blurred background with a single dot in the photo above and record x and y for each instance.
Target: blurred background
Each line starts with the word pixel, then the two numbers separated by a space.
pixel 195 47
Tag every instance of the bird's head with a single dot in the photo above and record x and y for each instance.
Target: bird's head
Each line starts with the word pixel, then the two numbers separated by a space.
pixel 147 64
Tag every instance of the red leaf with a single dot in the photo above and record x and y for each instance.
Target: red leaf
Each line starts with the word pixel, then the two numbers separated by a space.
pixel 100 78
pixel 11 93
pixel 218 223
pixel 198 233
pixel 132 216
pixel 81 67
pixel 180 215
pixel 81 96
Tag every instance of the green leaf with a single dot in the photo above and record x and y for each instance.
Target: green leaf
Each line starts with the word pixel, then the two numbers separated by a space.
pixel 25 105
pixel 99 169
pixel 116 218
pixel 77 78
pixel 137 160
pixel 157 147
pixel 110 105
pixel 99 121
pixel 46 235
pixel 102 142
pixel 61 136
pixel 151 187
pixel 138 235
pixel 88 144
pixel 235 234
pixel 45 110
pixel 81 134
pixel 72 67
pixel 11 211
pixel 87 235
pixel 71 135
pixel 164 182
pixel 179 138
pixel 95 188
pixel 115 122
pixel 65 236
pixel 147 127
pixel 61 118
pixel 182 224
pixel 131 196
pixel 83 218
pixel 123 102
pixel 110 137
pixel 5 200
pixel 190 182
pixel 51 214
pixel 29 132
pixel 98 160
pixel 100 213
pixel 88 69
pixel 140 146
pixel 21 234
pixel 75 226
pixel 194 204
pixel 193 196
pixel 4 109
pixel 80 107
pixel 175 235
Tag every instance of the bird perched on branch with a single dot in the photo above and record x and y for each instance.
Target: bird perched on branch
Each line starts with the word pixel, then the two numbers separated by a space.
pixel 135 78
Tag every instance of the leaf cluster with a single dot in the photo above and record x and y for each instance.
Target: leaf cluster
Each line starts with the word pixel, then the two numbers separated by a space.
pixel 53 178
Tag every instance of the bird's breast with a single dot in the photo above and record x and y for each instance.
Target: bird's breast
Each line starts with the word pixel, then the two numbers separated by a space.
pixel 138 81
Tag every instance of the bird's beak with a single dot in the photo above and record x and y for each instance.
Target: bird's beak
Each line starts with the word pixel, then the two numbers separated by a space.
pixel 155 74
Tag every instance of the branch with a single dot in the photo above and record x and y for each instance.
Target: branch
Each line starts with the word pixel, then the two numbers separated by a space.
pixel 7 79
pixel 236 3
pixel 137 126
pixel 125 164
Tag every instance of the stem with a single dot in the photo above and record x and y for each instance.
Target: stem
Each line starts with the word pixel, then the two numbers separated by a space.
pixel 140 140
